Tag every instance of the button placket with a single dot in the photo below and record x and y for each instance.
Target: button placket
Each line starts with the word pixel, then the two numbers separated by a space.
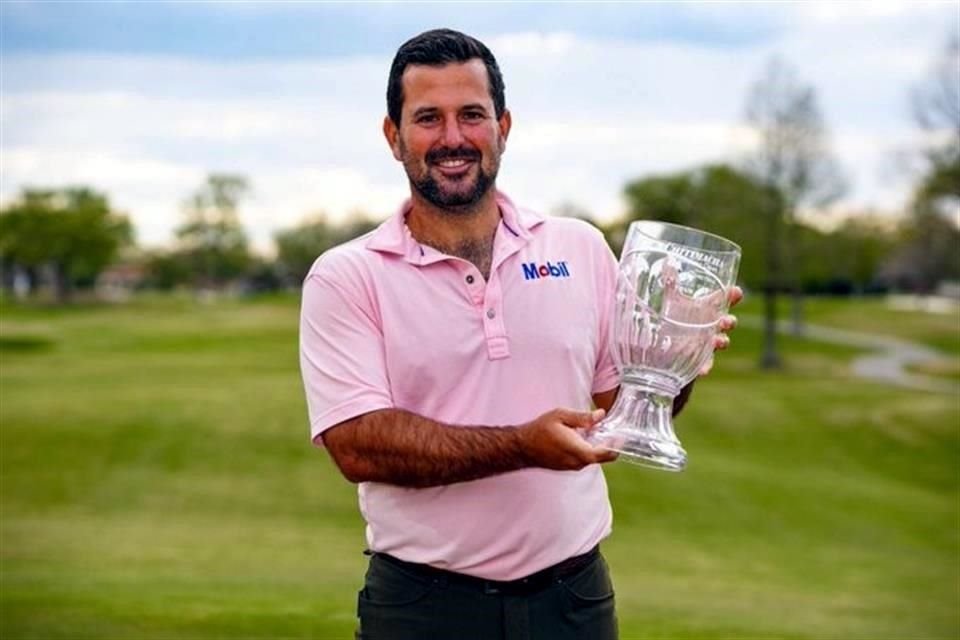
pixel 498 345
pixel 471 280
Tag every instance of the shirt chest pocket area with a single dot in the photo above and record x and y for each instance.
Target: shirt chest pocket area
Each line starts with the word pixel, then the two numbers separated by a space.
pixel 557 322
pixel 428 348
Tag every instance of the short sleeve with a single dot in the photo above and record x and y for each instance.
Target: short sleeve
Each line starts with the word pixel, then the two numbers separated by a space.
pixel 605 376
pixel 341 350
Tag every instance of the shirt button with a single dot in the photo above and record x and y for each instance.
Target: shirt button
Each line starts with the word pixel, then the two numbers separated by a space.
pixel 469 279
pixel 491 313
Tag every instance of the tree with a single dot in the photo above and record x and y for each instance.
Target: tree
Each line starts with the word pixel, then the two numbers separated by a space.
pixel 927 251
pixel 856 250
pixel 298 247
pixel 936 108
pixel 165 270
pixel 791 159
pixel 212 243
pixel 73 232
pixel 716 198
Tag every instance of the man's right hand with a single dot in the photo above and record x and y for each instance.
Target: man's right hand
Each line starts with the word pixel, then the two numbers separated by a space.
pixel 555 440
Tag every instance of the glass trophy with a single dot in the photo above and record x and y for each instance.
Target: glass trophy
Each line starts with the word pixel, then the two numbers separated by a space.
pixel 672 292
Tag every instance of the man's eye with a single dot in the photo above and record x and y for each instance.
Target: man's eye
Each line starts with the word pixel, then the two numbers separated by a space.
pixel 426 119
pixel 473 115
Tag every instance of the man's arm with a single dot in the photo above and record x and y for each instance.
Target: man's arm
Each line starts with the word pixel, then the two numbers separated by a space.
pixel 398 447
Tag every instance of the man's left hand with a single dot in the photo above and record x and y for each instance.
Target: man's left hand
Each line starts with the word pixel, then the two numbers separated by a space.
pixel 729 322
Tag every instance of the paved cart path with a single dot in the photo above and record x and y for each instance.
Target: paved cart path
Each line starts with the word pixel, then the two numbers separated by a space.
pixel 889 358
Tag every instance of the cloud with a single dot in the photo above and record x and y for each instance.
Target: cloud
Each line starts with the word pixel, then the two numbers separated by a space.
pixel 590 113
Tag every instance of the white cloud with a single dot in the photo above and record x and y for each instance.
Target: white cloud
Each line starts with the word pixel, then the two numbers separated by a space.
pixel 284 198
pixel 532 44
pixel 589 115
pixel 143 176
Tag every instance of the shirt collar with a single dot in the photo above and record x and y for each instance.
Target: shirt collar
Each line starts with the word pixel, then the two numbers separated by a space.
pixel 393 236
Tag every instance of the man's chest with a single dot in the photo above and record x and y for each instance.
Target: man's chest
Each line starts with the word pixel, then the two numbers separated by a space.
pixel 445 327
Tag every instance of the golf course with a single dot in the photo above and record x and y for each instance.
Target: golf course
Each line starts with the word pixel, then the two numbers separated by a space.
pixel 158 482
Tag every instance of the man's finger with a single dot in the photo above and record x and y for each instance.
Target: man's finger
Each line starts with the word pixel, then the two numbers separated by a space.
pixel 728 323
pixel 735 295
pixel 705 369
pixel 605 455
pixel 581 419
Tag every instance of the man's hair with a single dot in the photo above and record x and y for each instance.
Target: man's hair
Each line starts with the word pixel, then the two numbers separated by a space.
pixel 437 48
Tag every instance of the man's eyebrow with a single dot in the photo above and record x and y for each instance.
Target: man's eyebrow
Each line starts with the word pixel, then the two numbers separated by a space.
pixel 427 110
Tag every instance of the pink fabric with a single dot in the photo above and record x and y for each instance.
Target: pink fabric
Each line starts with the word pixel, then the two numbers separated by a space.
pixel 386 322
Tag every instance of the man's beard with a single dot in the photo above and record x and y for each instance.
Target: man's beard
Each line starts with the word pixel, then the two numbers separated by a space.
pixel 454 201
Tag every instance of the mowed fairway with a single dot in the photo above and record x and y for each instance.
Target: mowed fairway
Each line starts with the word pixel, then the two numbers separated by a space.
pixel 158 482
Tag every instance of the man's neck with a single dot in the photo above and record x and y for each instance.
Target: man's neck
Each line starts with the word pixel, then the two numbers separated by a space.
pixel 465 234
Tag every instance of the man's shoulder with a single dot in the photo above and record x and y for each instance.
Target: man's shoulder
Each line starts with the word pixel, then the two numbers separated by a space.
pixel 349 259
pixel 571 229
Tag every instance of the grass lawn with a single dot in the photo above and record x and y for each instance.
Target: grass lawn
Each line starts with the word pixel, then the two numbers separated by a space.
pixel 872 315
pixel 158 482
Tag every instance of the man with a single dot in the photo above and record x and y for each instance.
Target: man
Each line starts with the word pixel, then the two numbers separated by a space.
pixel 450 359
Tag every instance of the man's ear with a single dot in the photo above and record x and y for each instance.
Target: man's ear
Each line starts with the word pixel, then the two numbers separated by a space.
pixel 392 134
pixel 505 121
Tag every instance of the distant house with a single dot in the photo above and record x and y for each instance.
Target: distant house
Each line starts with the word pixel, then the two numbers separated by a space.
pixel 117 282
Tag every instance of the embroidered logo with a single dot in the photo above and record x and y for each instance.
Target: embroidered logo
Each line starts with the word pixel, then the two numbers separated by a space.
pixel 533 271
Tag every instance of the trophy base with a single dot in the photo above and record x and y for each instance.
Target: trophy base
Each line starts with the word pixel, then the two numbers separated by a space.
pixel 639 426
pixel 666 456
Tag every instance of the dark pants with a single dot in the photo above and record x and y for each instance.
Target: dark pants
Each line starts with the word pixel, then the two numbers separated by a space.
pixel 405 601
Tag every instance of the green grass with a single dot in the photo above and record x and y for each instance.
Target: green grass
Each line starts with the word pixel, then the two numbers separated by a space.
pixel 872 315
pixel 946 368
pixel 158 482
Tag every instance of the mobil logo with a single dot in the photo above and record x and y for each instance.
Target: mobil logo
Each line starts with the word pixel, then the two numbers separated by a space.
pixel 534 271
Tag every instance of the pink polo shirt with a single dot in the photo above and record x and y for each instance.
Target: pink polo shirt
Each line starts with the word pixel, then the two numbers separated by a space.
pixel 387 322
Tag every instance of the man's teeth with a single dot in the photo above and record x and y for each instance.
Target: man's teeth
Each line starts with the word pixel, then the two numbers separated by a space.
pixel 452 163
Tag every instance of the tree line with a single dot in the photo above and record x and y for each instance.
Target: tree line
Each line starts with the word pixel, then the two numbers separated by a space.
pixel 66 238
pixel 770 201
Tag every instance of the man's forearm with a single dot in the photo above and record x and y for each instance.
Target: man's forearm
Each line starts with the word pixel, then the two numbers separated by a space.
pixel 402 448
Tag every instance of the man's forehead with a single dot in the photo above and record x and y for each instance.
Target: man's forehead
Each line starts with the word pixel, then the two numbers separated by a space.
pixel 468 79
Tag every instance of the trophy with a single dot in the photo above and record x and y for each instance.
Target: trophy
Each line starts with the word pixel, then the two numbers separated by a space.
pixel 671 295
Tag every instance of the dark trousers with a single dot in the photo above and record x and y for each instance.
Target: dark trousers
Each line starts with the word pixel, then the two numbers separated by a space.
pixel 570 601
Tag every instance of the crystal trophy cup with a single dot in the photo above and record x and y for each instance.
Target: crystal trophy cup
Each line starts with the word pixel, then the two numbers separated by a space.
pixel 671 295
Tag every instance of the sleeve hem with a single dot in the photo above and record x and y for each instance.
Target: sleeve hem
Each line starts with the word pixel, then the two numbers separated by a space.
pixel 341 413
pixel 606 383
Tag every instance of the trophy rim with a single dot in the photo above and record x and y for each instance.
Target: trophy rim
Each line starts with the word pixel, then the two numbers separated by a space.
pixel 735 248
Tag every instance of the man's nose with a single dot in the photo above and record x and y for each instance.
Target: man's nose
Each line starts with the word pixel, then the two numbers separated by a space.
pixel 452 136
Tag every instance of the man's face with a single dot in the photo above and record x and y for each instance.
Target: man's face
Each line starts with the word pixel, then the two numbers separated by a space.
pixel 449 140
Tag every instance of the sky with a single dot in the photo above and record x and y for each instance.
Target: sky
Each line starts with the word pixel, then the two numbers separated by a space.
pixel 142 100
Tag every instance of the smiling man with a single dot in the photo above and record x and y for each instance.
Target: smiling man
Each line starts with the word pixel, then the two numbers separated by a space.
pixel 450 359
pixel 448 125
pixel 451 146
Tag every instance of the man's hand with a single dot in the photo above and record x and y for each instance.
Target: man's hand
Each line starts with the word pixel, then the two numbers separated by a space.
pixel 727 324
pixel 554 440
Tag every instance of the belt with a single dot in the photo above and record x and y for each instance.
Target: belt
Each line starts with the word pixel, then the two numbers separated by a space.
pixel 521 586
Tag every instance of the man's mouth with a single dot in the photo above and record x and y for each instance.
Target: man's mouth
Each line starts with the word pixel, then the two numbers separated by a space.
pixel 454 167
pixel 453 163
